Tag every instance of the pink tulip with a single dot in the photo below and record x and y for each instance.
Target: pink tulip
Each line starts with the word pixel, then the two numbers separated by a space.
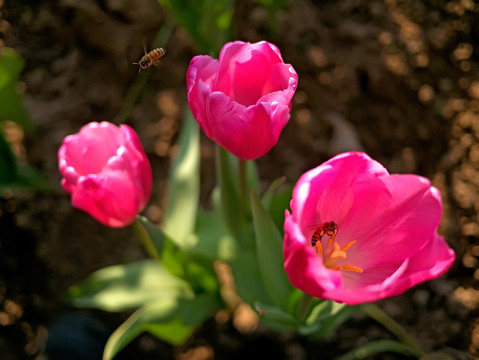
pixel 107 173
pixel 242 101
pixel 375 234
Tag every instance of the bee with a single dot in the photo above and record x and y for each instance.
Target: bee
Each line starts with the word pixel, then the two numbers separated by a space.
pixel 151 58
pixel 329 228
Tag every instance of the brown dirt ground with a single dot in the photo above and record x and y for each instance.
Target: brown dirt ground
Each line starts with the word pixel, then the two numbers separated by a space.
pixel 398 79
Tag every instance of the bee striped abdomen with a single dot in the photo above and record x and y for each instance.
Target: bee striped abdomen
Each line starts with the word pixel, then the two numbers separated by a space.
pixel 151 58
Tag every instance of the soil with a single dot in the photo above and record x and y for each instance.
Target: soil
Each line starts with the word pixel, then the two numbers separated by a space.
pixel 397 79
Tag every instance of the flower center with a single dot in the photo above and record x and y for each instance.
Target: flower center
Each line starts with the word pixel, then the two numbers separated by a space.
pixel 334 252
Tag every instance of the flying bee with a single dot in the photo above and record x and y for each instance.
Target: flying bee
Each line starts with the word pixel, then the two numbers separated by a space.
pixel 151 58
pixel 329 228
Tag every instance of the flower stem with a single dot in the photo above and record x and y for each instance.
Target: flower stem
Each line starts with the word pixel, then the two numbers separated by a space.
pixel 373 311
pixel 243 186
pixel 145 238
pixel 304 306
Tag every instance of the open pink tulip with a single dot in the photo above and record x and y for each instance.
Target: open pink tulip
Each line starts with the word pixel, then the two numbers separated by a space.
pixel 243 100
pixel 107 173
pixel 358 234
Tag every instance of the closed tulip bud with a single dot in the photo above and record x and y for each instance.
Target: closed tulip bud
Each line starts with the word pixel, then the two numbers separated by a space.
pixel 243 100
pixel 106 172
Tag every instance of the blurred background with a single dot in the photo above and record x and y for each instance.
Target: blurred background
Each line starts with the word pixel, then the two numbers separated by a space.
pixel 397 79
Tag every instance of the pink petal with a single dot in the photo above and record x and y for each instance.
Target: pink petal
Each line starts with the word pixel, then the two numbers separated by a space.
pixel 252 126
pixel 431 262
pixel 110 198
pixel 304 268
pixel 143 175
pixel 199 81
pixel 325 193
pixel 248 71
pixel 391 229
pixel 203 68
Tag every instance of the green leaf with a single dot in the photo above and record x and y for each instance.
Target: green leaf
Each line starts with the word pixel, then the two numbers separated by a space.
pixel 30 178
pixel 190 313
pixel 124 287
pixel 11 105
pixel 376 313
pixel 267 197
pixel 161 311
pixel 8 163
pixel 376 347
pixel 160 246
pixel 323 310
pixel 248 279
pixel 276 318
pixel 207 21
pixel 279 203
pixel 212 238
pixel 185 263
pixel 14 176
pixel 184 185
pixel 269 249
pixel 171 320
pixel 326 317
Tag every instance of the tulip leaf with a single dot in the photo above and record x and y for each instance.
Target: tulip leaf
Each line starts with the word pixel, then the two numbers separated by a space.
pixel 279 202
pixel 190 313
pixel 183 263
pixel 11 105
pixel 276 318
pixel 172 320
pixel 267 197
pixel 8 163
pixel 269 249
pixel 160 246
pixel 376 313
pixel 184 185
pixel 160 311
pixel 207 21
pixel 17 176
pixel 212 238
pixel 248 279
pixel 326 317
pixel 380 346
pixel 124 287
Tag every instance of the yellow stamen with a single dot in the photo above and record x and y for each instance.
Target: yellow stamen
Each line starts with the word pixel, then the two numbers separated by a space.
pixel 319 248
pixel 335 254
pixel 331 238
pixel 351 268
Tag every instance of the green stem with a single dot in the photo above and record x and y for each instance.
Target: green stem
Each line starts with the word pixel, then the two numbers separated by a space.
pixel 304 306
pixel 145 238
pixel 229 192
pixel 243 186
pixel 373 311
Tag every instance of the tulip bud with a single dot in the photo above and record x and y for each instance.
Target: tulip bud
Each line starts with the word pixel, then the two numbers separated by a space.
pixel 106 172
pixel 243 100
